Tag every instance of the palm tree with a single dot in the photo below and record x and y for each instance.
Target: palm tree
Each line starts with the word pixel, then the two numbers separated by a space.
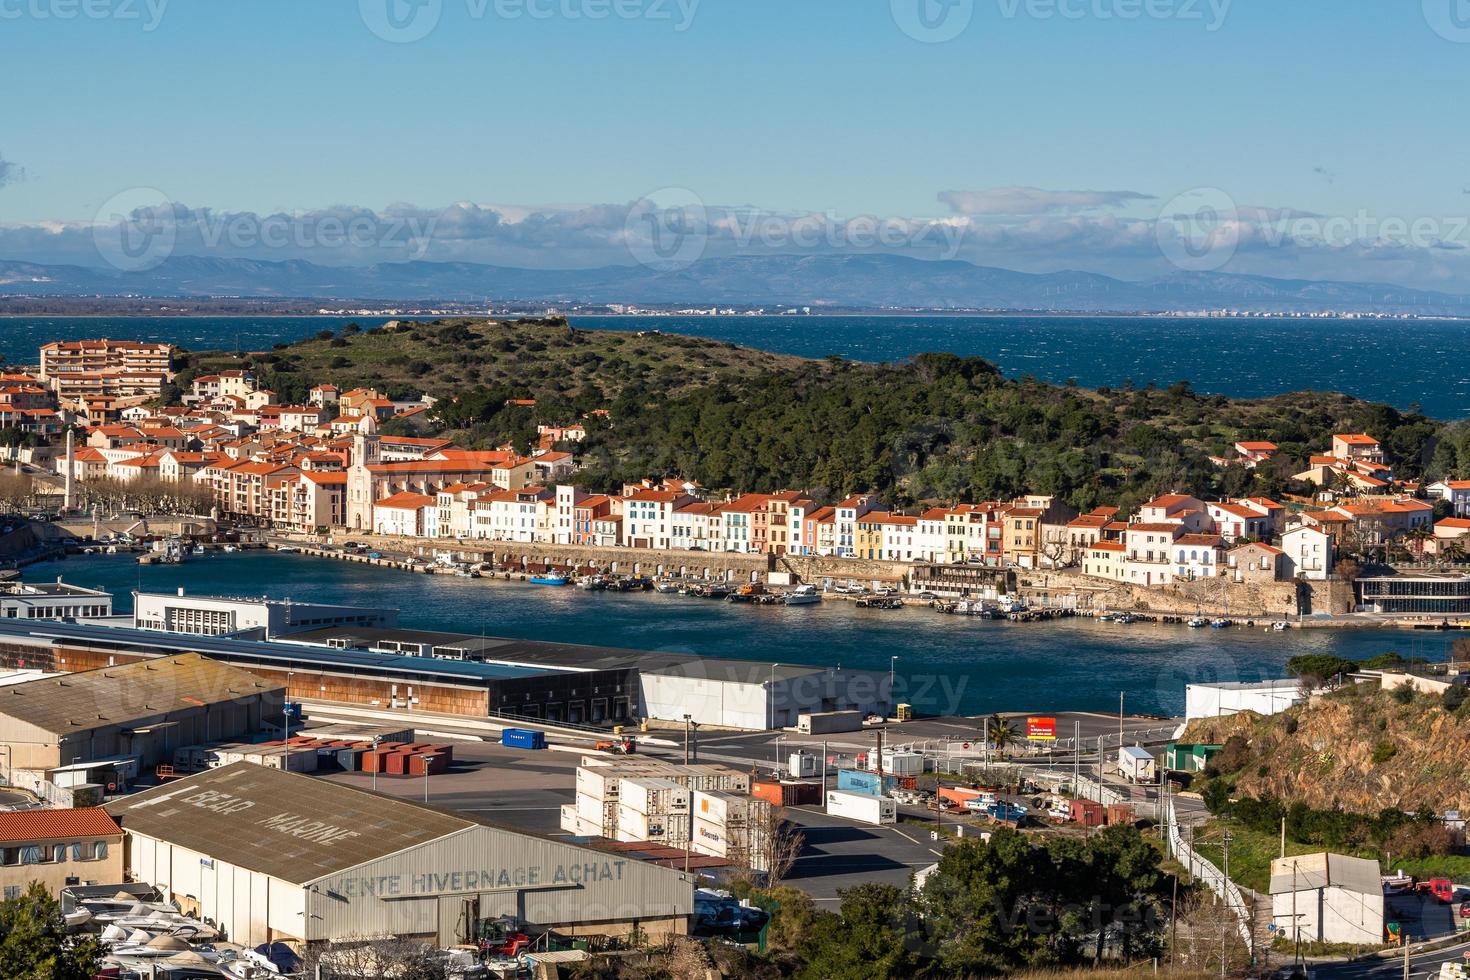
pixel 1418 538
pixel 1452 552
pixel 1000 731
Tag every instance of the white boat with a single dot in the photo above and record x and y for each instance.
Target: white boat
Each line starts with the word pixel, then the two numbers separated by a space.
pixel 1197 623
pixel 666 586
pixel 77 918
pixel 198 549
pixel 230 549
pixel 803 595
pixel 1280 627
pixel 1012 604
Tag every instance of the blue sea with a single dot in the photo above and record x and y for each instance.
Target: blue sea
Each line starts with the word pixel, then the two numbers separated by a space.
pixel 1406 363
pixel 946 664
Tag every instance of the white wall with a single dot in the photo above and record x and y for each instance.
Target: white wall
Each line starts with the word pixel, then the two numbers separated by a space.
pixel 1214 701
pixel 729 704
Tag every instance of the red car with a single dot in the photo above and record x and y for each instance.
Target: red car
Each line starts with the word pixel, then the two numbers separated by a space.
pixel 1465 910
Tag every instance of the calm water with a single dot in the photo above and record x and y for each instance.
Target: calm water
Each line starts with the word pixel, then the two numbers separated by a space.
pixel 1241 358
pixel 949 664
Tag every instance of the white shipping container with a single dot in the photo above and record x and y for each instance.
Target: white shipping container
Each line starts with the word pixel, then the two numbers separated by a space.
pixel 593 810
pixel 861 807
pixel 721 808
pixel 801 765
pixel 710 838
pixel 633 826
pixel 569 818
pixel 653 796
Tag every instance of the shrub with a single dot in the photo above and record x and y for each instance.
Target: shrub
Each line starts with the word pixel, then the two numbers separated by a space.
pixel 324 335
pixel 1420 839
pixel 1291 724
pixel 1233 756
pixel 1452 698
pixel 1404 694
pixel 1384 751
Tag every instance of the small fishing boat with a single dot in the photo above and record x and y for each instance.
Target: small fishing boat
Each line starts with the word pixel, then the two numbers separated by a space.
pixel 1105 618
pixel 803 595
pixel 665 586
pixel 1221 624
pixel 1280 627
pixel 1197 623
pixel 1125 619
pixel 550 578
pixel 747 593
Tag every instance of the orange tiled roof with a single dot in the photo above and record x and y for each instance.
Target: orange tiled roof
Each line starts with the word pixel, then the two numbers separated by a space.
pixel 43 825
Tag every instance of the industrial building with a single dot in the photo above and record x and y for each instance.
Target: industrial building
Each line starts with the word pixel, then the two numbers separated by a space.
pixel 479 676
pixel 253 617
pixel 271 855
pixel 52 600
pixel 1233 697
pixel 1328 898
pixel 747 694
pixel 140 710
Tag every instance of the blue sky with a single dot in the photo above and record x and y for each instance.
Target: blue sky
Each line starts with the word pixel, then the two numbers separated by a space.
pixel 1307 107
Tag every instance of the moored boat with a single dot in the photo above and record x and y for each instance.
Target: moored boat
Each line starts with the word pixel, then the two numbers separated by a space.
pixel 550 578
pixel 803 595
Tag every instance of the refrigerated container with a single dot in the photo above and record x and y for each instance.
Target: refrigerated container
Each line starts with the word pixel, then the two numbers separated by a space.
pixel 829 722
pixel 800 765
pixel 635 826
pixel 721 808
pixel 861 807
pixel 653 796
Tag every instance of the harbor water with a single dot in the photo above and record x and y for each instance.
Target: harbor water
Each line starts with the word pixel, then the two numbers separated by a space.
pixel 946 664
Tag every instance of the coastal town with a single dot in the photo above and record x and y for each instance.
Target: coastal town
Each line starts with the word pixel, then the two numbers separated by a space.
pixel 251 786
pixel 341 464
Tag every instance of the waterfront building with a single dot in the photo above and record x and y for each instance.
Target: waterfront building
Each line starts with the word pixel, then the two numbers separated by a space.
pixel 406 514
pixel 98 378
pixel 1198 556
pixel 1255 562
pixel 52 600
pixel 257 617
pixel 1430 594
pixel 648 516
pixel 1308 553
pixel 1147 547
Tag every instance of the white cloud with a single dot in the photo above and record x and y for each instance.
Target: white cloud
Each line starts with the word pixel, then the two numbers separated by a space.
pixel 1019 201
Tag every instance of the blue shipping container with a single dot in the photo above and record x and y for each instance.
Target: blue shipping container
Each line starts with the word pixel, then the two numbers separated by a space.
pixel 857 781
pixel 523 738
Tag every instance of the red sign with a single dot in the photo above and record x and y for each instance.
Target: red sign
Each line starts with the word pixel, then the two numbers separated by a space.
pixel 1041 729
pixel 967 745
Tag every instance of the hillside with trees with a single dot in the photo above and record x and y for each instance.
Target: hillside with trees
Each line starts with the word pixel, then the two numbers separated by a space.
pixel 935 428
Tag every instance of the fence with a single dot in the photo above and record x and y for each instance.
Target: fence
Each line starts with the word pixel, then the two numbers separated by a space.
pixel 1210 876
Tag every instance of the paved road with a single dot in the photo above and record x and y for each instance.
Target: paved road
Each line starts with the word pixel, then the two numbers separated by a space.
pixel 1421 966
pixel 525 790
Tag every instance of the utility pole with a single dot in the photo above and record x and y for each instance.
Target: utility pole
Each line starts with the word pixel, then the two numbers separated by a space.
pixel 1283 837
pixel 686 739
pixel 1120 719
pixel 1077 758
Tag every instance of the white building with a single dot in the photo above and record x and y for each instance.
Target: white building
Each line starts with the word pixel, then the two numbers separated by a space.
pixel 225 615
pixel 47 600
pixel 1454 492
pixel 1308 553
pixel 1327 898
pixel 1232 697
pixel 406 514
pixel 271 855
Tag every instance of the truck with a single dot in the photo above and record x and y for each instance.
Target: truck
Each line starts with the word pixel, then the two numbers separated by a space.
pixel 1441 889
pixel 523 738
pixel 875 810
pixel 829 722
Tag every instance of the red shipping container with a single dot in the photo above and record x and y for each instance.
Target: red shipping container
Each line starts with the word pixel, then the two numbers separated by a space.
pixel 788 794
pixel 1121 814
pixel 396 763
pixel 957 795
pixel 436 763
pixel 1089 813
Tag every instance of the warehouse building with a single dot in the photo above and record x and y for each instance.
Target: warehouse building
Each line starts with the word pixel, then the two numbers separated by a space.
pixel 479 676
pixel 255 617
pixel 1233 697
pixel 52 600
pixel 1328 898
pixel 277 856
pixel 140 710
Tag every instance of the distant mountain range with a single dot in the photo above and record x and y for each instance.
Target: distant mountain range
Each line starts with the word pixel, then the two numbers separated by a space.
pixel 851 282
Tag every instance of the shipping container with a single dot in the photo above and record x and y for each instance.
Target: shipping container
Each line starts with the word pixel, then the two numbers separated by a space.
pixel 435 763
pixel 1122 814
pixel 523 738
pixel 1089 813
pixel 957 795
pixel 861 807
pixel 800 765
pixel 1136 764
pixel 710 838
pixel 653 796
pixel 593 810
pixel 788 794
pixel 635 826
pixel 722 808
pixel 829 722
pixel 870 783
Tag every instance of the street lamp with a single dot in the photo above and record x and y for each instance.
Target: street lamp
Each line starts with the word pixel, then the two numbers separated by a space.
pixel 376 761
pixel 892 665
pixel 428 761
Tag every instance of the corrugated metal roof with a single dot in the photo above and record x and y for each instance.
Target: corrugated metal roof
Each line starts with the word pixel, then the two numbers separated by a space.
pixel 1308 872
pixel 26 826
pixel 118 695
pixel 292 827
